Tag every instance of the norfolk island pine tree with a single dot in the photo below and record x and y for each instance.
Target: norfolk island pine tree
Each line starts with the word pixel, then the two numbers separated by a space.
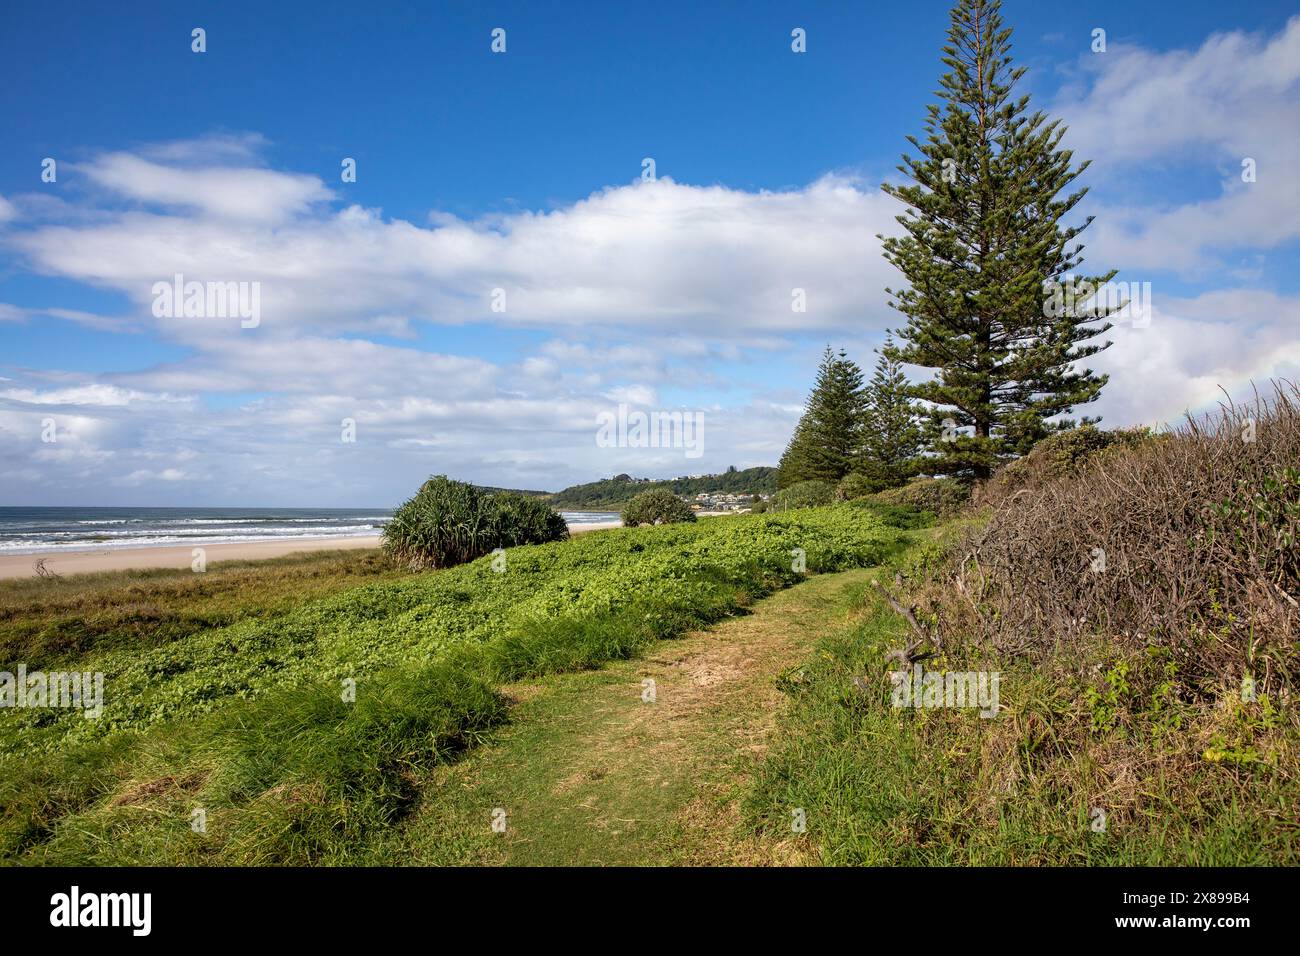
pixel 828 438
pixel 982 239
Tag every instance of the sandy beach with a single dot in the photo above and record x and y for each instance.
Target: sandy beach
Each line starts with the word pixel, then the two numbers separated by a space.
pixel 122 559
pixel 593 526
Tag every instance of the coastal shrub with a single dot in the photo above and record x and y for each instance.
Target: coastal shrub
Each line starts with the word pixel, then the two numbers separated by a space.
pixel 450 522
pixel 657 506
pixel 855 485
pixel 903 517
pixel 804 494
pixel 941 496
pixel 1218 773
pixel 515 519
pixel 1057 456
pixel 1186 543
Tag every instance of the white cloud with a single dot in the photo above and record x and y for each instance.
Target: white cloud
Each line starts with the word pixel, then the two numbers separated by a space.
pixel 658 255
pixel 1193 348
pixel 1231 97
pixel 1143 115
pixel 226 192
pixel 656 294
pixel 88 394
pixel 1197 237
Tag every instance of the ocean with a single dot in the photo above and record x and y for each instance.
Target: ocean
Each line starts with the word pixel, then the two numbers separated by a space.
pixel 41 530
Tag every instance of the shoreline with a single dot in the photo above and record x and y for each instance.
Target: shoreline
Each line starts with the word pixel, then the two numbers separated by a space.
pixel 89 561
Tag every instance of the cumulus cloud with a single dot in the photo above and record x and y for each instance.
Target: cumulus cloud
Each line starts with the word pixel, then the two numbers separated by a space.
pixel 286 448
pixel 314 366
pixel 1232 96
pixel 646 290
pixel 1196 237
pixel 96 394
pixel 1144 114
pixel 1193 348
pixel 659 255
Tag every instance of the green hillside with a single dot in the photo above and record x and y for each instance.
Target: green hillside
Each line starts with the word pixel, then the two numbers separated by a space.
pixel 612 493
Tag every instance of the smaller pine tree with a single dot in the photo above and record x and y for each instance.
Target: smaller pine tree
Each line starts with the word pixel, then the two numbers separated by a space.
pixel 827 440
pixel 892 438
pixel 792 467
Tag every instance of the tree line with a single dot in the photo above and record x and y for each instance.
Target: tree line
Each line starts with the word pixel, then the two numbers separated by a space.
pixel 614 493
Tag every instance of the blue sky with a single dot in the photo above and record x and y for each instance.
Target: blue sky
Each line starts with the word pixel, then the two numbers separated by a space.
pixel 522 171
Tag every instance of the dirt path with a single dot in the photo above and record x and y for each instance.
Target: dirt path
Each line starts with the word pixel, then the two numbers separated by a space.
pixel 592 771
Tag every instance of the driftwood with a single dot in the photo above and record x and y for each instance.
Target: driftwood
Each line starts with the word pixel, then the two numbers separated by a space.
pixel 907 655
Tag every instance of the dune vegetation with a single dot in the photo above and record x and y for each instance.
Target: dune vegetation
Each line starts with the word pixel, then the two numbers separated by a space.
pixel 1123 605
pixel 301 732
pixel 450 522
pixel 1136 594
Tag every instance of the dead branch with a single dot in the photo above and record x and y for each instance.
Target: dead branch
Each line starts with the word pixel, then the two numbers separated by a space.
pixel 906 613
pixel 42 571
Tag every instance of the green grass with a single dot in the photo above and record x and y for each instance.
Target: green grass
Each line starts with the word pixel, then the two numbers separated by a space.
pixel 46 621
pixel 246 720
pixel 590 773
pixel 897 786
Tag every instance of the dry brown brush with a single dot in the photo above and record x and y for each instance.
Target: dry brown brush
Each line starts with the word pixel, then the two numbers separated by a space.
pixel 1187 542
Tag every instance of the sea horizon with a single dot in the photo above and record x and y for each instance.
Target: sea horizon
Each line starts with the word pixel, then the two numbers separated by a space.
pixel 62 528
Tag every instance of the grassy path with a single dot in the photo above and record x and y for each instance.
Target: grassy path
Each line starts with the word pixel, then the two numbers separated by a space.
pixel 589 773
